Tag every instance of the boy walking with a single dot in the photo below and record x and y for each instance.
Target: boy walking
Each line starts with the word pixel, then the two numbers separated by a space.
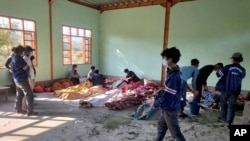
pixel 230 86
pixel 169 100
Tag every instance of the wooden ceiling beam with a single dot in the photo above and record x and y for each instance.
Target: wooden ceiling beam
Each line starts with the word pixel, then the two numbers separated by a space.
pixel 85 4
pixel 51 1
pixel 134 4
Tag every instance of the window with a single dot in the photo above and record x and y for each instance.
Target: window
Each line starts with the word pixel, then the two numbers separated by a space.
pixel 77 45
pixel 13 32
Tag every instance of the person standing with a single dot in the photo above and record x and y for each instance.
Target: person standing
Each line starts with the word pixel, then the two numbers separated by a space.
pixel 230 87
pixel 28 50
pixel 202 77
pixel 20 71
pixel 187 73
pixel 169 100
pixel 8 65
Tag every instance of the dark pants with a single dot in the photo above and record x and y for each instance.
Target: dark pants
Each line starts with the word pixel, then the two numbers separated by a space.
pixel 75 81
pixel 199 89
pixel 228 102
pixel 23 89
pixel 169 120
pixel 184 93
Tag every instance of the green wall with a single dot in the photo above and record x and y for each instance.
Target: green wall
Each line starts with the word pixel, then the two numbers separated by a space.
pixel 67 13
pixel 132 38
pixel 64 13
pixel 210 30
pixel 35 10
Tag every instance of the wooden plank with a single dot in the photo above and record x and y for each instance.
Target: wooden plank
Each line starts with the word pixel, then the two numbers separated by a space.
pixel 132 5
pixel 51 42
pixel 166 34
pixel 85 4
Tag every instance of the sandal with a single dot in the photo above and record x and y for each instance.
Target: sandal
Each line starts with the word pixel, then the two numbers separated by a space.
pixel 32 113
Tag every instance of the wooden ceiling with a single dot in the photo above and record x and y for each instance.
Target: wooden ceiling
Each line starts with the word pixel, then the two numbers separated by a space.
pixel 104 5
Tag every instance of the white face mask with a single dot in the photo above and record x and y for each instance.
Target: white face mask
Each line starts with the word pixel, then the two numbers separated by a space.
pixel 165 63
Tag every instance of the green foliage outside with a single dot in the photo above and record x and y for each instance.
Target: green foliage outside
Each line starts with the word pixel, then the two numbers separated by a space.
pixel 8 39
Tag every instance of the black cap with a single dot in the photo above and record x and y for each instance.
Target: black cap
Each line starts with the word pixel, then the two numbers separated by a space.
pixel 29 48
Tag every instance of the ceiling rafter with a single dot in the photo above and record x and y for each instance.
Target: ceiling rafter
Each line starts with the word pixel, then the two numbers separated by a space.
pixel 104 5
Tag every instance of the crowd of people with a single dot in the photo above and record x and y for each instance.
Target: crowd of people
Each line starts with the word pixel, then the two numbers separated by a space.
pixel 171 99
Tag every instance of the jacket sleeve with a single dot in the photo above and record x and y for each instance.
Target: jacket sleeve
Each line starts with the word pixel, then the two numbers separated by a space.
pixel 7 63
pixel 169 89
pixel 196 72
pixel 221 72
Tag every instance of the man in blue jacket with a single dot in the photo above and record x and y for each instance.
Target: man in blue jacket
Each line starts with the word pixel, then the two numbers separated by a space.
pixel 230 86
pixel 170 98
pixel 20 71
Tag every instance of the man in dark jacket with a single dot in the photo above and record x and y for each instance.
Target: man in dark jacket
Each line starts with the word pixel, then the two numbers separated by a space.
pixel 204 73
pixel 20 71
pixel 131 76
pixel 97 79
pixel 169 100
pixel 230 86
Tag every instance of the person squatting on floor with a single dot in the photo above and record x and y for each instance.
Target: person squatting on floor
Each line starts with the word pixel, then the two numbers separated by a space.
pixel 169 100
pixel 230 87
pixel 20 71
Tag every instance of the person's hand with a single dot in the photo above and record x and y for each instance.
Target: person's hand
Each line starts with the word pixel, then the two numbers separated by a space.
pixel 157 92
pixel 205 88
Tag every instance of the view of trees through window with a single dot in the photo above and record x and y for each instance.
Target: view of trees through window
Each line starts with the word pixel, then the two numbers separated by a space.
pixel 13 32
pixel 77 45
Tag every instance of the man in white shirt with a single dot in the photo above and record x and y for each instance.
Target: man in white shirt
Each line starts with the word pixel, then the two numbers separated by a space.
pixel 27 54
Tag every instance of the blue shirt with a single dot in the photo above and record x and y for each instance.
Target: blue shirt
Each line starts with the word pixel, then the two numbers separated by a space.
pixel 188 72
pixel 20 69
pixel 169 99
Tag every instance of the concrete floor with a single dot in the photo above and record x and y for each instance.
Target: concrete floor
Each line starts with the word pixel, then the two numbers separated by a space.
pixel 58 121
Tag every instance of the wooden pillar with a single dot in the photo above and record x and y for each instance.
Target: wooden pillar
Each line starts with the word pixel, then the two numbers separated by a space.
pixel 51 40
pixel 166 34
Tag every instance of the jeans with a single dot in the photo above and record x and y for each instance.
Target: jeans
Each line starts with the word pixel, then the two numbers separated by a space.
pixel 228 102
pixel 169 120
pixel 23 89
pixel 184 93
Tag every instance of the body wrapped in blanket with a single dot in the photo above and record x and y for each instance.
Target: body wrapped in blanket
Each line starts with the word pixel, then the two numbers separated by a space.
pixel 80 91
pixel 135 95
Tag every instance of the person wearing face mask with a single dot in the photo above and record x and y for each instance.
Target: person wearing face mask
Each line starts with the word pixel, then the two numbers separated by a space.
pixel 74 77
pixel 169 99
pixel 28 51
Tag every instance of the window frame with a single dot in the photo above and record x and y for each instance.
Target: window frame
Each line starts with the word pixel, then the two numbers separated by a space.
pixel 23 35
pixel 90 44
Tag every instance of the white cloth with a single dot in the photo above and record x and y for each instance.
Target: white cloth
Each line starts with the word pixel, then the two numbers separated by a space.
pixel 100 100
pixel 89 74
pixel 31 70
